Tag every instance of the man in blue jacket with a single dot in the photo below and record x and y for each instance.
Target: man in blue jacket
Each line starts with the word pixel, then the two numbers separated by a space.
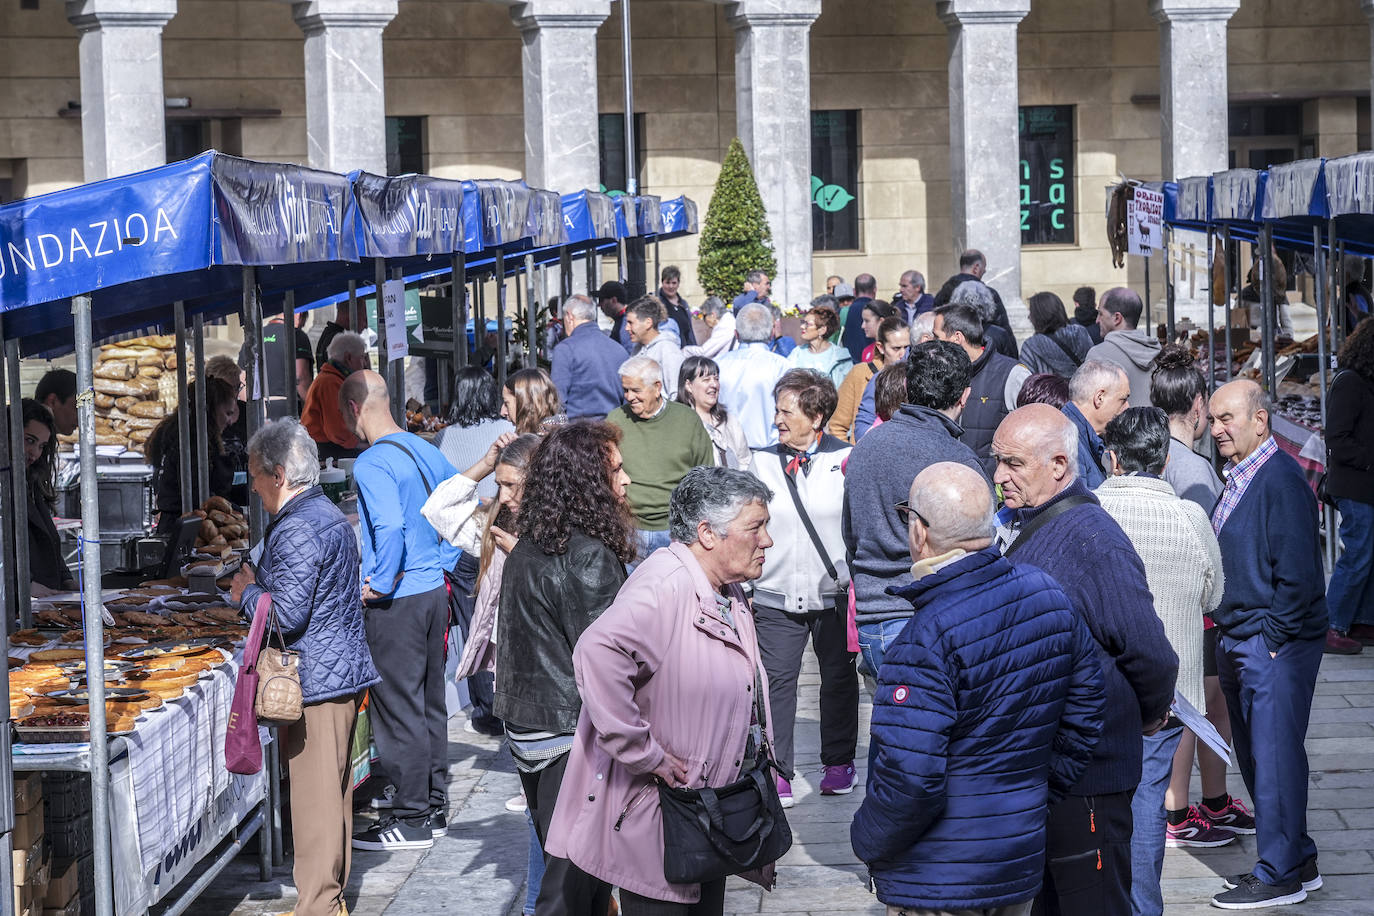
pixel 988 705
pixel 1272 620
pixel 586 363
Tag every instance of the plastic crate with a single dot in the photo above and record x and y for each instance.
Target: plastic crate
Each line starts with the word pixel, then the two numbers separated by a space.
pixel 73 837
pixel 67 796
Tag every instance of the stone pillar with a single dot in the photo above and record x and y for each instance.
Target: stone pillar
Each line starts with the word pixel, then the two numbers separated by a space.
pixel 773 118
pixel 1193 106
pixel 1368 6
pixel 123 108
pixel 984 149
pixel 345 94
pixel 558 64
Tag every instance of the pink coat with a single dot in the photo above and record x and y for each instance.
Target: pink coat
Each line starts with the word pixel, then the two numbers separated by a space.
pixel 660 669
pixel 479 652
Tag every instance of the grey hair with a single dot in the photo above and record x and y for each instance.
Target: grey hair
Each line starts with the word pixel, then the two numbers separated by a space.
pixel 956 504
pixel 346 343
pixel 713 306
pixel 643 368
pixel 1092 376
pixel 978 295
pixel 580 307
pixel 827 301
pixel 754 276
pixel 285 444
pixel 923 328
pixel 714 495
pixel 916 277
pixel 754 323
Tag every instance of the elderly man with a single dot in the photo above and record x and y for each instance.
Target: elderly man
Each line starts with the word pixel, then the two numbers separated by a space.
pixel 912 299
pixel 642 320
pixel 1123 344
pixel 586 363
pixel 1182 561
pixel 612 300
pixel 757 286
pixel 954 815
pixel 661 440
pixel 1272 620
pixel 321 416
pixel 1058 526
pixel 406 602
pixel 1098 392
pixel 995 382
pixel 748 374
pixel 923 432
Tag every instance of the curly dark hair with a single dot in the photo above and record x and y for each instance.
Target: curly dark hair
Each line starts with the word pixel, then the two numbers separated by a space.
pixel 937 372
pixel 1357 353
pixel 568 485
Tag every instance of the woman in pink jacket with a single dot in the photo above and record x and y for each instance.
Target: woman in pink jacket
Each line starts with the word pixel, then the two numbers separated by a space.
pixel 667 677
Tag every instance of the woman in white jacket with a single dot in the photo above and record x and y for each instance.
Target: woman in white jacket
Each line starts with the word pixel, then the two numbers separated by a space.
pixel 802 590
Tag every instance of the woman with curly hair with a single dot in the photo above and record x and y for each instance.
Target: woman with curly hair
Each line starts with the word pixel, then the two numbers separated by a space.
pixel 576 535
pixel 1350 482
pixel 530 400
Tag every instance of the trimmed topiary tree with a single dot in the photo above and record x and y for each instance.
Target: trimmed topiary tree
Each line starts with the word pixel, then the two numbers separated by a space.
pixel 736 238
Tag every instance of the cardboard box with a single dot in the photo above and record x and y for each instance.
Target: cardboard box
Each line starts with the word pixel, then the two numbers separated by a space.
pixel 26 862
pixel 63 883
pixel 38 884
pixel 72 908
pixel 28 828
pixel 28 791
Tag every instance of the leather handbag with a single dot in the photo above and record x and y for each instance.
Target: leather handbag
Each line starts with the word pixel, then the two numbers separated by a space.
pixel 279 700
pixel 242 747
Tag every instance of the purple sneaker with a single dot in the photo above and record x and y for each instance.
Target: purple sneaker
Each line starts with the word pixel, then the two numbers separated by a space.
pixel 838 780
pixel 785 793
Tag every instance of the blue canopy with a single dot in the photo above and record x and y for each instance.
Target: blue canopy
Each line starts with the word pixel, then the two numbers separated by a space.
pixel 407 216
pixel 650 215
pixel 626 217
pixel 679 216
pixel 588 215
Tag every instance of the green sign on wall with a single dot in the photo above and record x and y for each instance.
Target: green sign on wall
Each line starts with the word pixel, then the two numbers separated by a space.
pixel 1047 175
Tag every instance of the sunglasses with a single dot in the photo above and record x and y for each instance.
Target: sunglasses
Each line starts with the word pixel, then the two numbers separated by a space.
pixel 905 512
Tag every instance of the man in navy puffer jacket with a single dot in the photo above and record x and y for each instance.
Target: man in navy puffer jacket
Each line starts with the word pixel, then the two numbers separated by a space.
pixel 988 706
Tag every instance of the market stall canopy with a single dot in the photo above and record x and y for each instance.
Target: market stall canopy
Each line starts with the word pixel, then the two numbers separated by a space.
pixel 626 217
pixel 407 216
pixel 650 215
pixel 178 232
pixel 588 216
pixel 679 217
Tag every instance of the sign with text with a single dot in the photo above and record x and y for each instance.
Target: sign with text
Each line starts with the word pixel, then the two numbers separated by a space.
pixel 1144 222
pixel 1047 175
pixel 394 312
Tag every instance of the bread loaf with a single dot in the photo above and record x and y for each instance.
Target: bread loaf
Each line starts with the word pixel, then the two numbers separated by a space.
pixel 157 341
pixel 153 358
pixel 170 360
pixel 148 410
pixel 115 369
pixel 150 372
pixel 139 388
pixel 104 401
pixel 208 531
pixel 218 502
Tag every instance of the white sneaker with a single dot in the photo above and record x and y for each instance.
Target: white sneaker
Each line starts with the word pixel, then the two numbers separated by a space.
pixel 517 804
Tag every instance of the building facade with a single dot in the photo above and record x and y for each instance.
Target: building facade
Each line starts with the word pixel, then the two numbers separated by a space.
pixel 885 134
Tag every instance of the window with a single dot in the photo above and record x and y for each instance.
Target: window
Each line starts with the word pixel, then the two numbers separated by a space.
pixel 187 137
pixel 405 145
pixel 6 190
pixel 611 131
pixel 1047 160
pixel 835 180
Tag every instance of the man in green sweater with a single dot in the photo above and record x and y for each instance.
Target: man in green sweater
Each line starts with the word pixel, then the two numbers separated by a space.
pixel 661 440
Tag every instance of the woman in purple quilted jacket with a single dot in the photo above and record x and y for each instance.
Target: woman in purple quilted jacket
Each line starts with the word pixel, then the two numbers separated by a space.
pixel 309 573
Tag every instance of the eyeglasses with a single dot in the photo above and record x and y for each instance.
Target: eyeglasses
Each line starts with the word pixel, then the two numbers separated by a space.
pixel 904 512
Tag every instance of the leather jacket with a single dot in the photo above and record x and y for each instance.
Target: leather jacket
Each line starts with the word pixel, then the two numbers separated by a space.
pixel 547 600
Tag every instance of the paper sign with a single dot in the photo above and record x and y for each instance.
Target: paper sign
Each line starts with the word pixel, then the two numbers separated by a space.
pixel 394 310
pixel 1198 724
pixel 1144 222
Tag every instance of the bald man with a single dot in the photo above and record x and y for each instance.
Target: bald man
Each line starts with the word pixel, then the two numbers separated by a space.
pixel 1273 622
pixel 954 814
pixel 1056 524
pixel 406 613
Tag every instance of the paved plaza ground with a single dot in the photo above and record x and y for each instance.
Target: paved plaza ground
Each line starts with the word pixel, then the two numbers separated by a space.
pixel 479 868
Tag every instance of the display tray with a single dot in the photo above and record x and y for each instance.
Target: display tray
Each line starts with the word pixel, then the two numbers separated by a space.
pixel 61 734
pixel 77 667
pixel 185 647
pixel 81 697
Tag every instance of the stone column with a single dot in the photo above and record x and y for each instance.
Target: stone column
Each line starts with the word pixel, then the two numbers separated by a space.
pixel 1368 6
pixel 1193 106
pixel 345 95
pixel 984 149
pixel 773 118
pixel 558 64
pixel 123 108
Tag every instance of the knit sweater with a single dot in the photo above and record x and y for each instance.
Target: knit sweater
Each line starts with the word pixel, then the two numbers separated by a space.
pixel 1094 563
pixel 657 452
pixel 1174 540
pixel 1275 584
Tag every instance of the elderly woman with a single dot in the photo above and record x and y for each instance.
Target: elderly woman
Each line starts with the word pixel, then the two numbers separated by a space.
pixel 668 675
pixel 721 321
pixel 816 351
pixel 309 571
pixel 576 536
pixel 801 594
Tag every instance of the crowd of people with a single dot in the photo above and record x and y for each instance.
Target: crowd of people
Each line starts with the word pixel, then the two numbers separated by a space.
pixel 1017 547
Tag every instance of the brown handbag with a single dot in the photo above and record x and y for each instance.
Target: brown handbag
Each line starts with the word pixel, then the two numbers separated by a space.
pixel 279 699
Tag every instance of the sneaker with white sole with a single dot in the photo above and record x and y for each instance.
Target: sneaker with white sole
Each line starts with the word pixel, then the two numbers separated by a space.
pixel 1309 875
pixel 393 833
pixel 839 779
pixel 1197 831
pixel 1250 893
pixel 437 824
pixel 1233 816
pixel 384 801
pixel 517 804
pixel 785 793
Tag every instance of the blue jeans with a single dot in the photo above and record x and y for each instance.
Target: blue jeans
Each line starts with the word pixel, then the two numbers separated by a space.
pixel 649 541
pixel 1149 819
pixel 874 638
pixel 1350 596
pixel 534 872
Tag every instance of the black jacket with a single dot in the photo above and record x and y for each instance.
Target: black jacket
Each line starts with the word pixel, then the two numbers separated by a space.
pixel 46 565
pixel 682 316
pixel 547 600
pixel 1350 437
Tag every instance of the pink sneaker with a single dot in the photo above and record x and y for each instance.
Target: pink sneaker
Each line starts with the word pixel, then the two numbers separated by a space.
pixel 785 793
pixel 1196 831
pixel 838 779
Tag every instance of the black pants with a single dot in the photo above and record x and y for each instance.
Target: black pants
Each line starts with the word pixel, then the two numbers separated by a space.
pixel 566 890
pixel 1081 832
pixel 782 640
pixel 712 903
pixel 409 719
pixel 482 685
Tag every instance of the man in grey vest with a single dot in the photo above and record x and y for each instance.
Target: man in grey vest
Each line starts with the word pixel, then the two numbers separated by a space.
pixel 995 382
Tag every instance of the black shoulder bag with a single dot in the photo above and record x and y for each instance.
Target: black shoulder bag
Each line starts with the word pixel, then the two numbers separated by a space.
pixel 841 598
pixel 711 833
pixel 1035 524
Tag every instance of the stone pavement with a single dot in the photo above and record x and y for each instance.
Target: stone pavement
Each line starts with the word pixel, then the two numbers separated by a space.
pixel 479 868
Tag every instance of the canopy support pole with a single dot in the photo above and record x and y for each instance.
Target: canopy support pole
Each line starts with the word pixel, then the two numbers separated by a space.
pixel 479 323
pixel 531 313
pixel 544 303
pixel 658 270
pixel 383 364
pixel 1319 268
pixel 9 574
pixel 565 280
pixel 622 249
pixel 92 606
pixel 19 485
pixel 1149 321
pixel 202 433
pixel 1267 306
pixel 1211 318
pixel 460 312
pixel 1226 281
pixel 592 285
pixel 257 415
pixel 357 316
pixel 184 462
pixel 288 320
pixel 1168 287
pixel 521 287
pixel 501 354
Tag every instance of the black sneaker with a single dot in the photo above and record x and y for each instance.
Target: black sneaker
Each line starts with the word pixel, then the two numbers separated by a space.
pixel 1250 893
pixel 393 833
pixel 437 824
pixel 1310 877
